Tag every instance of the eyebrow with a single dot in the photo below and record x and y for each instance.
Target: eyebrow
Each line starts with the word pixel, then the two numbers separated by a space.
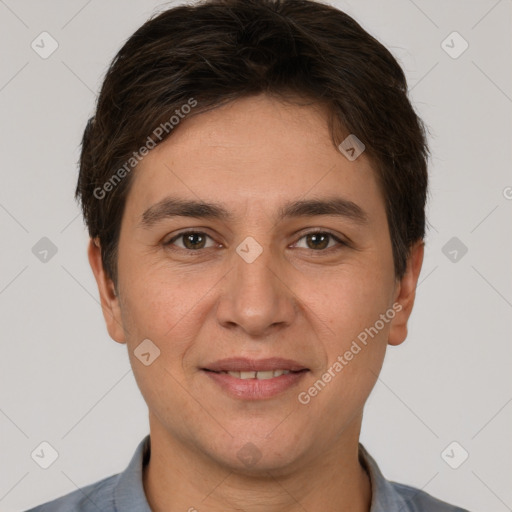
pixel 170 207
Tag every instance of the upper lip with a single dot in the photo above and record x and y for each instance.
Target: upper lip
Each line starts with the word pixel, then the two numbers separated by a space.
pixel 243 364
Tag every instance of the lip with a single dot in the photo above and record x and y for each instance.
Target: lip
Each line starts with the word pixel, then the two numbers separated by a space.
pixel 254 389
pixel 243 364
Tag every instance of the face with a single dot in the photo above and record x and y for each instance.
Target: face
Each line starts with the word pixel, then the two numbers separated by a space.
pixel 286 268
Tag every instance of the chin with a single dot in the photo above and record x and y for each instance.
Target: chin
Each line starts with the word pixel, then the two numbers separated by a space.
pixel 255 454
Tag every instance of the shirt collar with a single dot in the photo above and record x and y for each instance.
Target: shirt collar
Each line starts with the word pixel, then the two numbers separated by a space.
pixel 129 490
pixel 384 495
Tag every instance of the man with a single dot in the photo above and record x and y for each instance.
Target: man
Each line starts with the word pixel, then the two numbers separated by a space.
pixel 254 184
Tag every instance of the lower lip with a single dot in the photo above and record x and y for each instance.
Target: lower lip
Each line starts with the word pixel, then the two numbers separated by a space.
pixel 255 389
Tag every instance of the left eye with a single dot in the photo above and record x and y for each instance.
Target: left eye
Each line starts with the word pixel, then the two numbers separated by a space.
pixel 319 240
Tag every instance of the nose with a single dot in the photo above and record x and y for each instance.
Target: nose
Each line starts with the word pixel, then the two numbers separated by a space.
pixel 256 297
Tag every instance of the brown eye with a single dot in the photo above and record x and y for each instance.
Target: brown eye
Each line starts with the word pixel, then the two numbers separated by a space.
pixel 320 240
pixel 191 240
pixel 317 240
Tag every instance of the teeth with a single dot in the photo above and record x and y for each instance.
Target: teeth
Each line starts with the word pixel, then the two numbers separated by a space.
pixel 263 375
pixel 269 374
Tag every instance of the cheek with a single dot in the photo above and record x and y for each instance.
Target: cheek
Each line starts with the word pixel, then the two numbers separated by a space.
pixel 346 311
pixel 161 305
pixel 347 301
pixel 355 345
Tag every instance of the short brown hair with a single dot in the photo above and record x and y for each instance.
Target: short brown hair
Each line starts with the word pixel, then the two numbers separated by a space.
pixel 216 51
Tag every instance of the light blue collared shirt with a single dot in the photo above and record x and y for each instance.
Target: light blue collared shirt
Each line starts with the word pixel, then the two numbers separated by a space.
pixel 124 492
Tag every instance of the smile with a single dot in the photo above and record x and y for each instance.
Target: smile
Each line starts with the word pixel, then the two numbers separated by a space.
pixel 255 385
pixel 261 375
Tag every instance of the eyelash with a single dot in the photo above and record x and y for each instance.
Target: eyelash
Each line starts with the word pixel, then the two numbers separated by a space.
pixel 341 243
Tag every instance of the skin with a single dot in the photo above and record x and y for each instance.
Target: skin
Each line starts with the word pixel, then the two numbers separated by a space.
pixel 297 300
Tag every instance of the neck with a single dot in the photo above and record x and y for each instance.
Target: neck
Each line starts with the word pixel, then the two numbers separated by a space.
pixel 179 478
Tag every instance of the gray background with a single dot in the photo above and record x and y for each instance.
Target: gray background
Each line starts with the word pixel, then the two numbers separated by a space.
pixel 65 382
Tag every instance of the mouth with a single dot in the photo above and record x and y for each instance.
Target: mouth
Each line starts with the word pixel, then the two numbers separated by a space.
pixel 259 375
pixel 251 379
pixel 245 365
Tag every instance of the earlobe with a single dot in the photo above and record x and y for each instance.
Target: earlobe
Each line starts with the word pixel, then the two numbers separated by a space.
pixel 406 293
pixel 108 296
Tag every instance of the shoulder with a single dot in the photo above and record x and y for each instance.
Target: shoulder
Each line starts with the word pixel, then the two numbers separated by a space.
pixel 390 496
pixel 416 500
pixel 122 491
pixel 91 498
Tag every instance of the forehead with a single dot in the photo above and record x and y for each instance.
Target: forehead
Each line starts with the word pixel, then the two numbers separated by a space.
pixel 253 152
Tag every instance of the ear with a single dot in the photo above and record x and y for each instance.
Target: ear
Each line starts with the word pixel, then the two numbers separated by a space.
pixel 405 294
pixel 108 297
